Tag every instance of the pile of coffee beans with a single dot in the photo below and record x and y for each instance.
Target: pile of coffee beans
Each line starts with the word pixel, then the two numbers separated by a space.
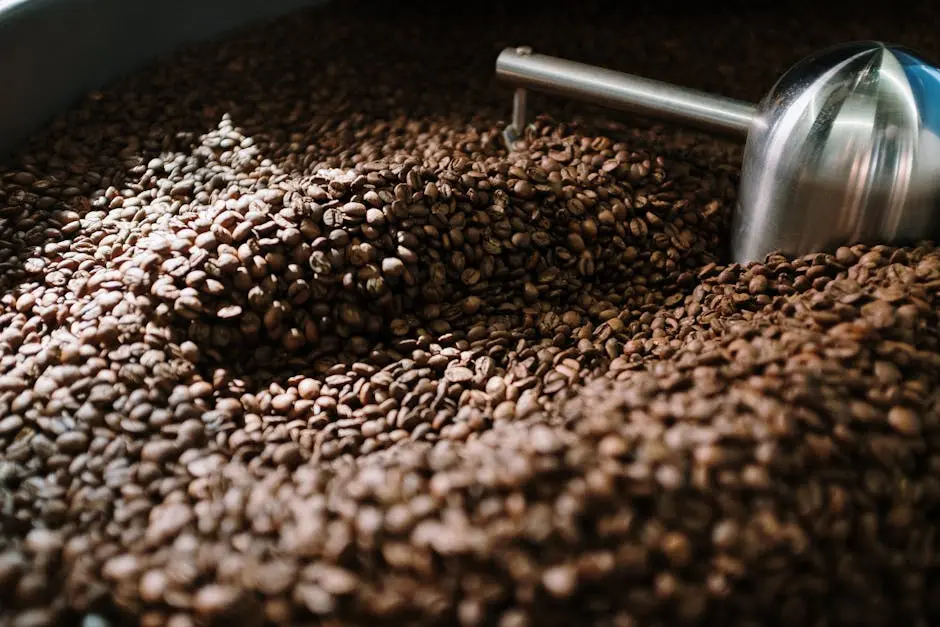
pixel 289 337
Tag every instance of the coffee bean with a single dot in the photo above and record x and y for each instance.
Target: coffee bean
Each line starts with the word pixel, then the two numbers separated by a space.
pixel 560 581
pixel 304 341
pixel 904 420
pixel 11 425
pixel 72 442
pixel 505 411
pixel 458 374
pixel 35 618
pixel 354 211
pixel 216 599
pixel 288 454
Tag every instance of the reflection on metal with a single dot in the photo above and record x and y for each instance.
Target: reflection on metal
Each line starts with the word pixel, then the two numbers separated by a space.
pixel 844 148
pixel 527 70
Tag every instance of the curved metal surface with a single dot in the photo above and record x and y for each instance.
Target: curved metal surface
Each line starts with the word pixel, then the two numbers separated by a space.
pixel 54 51
pixel 642 96
pixel 845 149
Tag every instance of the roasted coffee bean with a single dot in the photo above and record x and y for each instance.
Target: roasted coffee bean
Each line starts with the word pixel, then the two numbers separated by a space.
pixel 288 336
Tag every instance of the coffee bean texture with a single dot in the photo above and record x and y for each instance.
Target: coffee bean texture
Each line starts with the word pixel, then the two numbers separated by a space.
pixel 288 336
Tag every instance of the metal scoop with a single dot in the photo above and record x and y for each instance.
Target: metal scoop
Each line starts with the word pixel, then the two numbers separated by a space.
pixel 843 150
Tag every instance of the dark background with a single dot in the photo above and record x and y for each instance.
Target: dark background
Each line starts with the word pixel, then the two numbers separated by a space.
pixel 52 51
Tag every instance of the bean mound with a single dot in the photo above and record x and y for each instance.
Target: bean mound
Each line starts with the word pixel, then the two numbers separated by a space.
pixel 289 337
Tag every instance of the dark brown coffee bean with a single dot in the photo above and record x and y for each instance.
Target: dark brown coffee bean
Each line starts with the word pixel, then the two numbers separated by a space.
pixel 305 341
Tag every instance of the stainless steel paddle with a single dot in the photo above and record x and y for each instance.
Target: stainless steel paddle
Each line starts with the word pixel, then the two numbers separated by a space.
pixel 844 149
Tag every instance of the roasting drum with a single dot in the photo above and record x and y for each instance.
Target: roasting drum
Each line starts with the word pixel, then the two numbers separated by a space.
pixel 54 51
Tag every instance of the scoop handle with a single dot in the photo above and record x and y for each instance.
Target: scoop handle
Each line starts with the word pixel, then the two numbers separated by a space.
pixel 525 69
